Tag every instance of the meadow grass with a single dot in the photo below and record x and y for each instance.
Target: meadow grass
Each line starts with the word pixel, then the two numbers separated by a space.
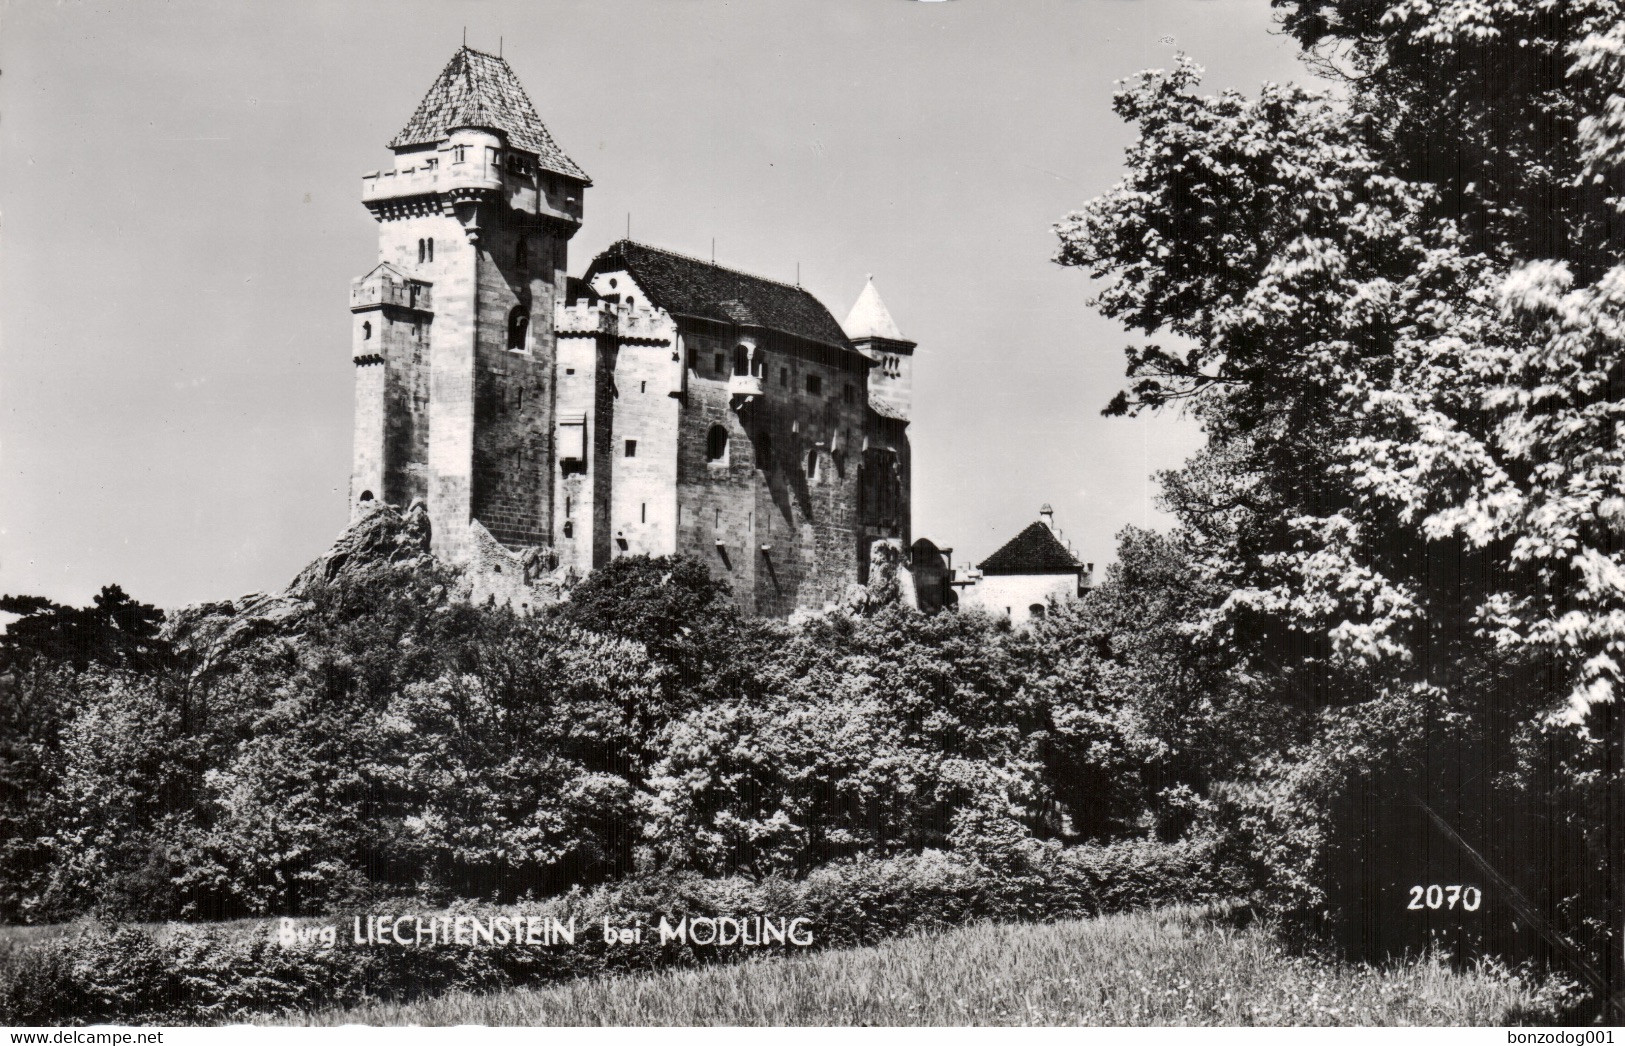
pixel 1175 966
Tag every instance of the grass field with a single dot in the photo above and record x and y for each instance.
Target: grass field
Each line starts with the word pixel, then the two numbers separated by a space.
pixel 1169 967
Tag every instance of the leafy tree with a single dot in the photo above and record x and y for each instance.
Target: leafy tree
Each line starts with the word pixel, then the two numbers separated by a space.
pixel 1394 314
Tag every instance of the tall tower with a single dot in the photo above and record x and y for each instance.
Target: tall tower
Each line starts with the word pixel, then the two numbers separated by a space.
pixel 874 333
pixel 453 329
pixel 886 484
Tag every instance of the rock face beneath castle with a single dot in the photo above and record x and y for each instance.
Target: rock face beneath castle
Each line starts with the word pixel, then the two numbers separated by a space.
pixel 658 405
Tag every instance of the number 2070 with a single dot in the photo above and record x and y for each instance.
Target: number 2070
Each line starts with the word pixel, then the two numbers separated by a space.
pixel 1436 896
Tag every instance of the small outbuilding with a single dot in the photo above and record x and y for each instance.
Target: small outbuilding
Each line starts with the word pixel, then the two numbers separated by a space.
pixel 1031 572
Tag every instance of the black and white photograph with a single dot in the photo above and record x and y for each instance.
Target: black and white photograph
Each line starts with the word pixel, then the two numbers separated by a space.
pixel 811 513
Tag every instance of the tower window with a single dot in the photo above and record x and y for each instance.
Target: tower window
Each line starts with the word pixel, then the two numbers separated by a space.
pixel 366 330
pixel 423 251
pixel 567 506
pixel 431 248
pixel 459 153
pixel 643 512
pixel 716 444
pixel 815 385
pixel 643 386
pixel 631 448
pixel 518 326
pixel 812 463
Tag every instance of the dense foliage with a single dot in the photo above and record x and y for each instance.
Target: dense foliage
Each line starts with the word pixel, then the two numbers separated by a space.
pixel 1394 309
pixel 382 739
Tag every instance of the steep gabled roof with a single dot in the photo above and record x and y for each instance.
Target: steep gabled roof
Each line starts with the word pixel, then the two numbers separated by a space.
pixel 1035 550
pixel 685 286
pixel 480 90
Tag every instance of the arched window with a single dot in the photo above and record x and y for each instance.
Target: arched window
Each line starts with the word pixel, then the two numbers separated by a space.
pixel 431 248
pixel 366 330
pixel 423 251
pixel 1037 610
pixel 366 495
pixel 812 463
pixel 521 256
pixel 716 444
pixel 518 324
pixel 741 361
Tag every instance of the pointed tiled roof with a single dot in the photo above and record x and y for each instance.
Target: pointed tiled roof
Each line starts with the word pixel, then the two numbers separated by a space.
pixel 870 318
pixel 480 90
pixel 685 286
pixel 1035 550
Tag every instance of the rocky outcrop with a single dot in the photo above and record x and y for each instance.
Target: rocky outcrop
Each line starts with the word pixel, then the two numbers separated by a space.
pixel 386 538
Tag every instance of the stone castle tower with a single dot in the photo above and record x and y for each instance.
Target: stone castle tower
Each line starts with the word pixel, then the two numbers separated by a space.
pixel 660 404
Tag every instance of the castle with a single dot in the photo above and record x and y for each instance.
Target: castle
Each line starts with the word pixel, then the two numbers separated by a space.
pixel 658 404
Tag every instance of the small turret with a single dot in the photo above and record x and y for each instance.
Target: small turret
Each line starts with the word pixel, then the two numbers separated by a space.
pixel 871 329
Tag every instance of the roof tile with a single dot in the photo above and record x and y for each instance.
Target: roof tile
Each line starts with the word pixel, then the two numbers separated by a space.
pixel 480 90
pixel 1035 550
pixel 685 286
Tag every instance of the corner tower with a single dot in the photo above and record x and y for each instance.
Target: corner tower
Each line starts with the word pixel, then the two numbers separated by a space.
pixel 874 333
pixel 453 329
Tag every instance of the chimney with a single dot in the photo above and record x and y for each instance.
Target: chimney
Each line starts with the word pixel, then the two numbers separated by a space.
pixel 1047 515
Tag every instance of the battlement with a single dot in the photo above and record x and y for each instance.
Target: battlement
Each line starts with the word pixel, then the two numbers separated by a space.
pixel 480 174
pixel 379 288
pixel 601 317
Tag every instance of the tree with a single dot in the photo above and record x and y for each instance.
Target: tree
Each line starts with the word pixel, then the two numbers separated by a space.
pixel 115 631
pixel 1394 314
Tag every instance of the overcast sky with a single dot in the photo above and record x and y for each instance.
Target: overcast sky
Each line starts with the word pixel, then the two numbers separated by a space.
pixel 180 191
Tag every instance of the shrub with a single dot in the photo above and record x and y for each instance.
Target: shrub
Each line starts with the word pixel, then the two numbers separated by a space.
pixel 221 973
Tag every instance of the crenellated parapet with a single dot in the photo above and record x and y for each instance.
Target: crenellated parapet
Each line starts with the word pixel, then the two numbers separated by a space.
pixel 631 325
pixel 388 286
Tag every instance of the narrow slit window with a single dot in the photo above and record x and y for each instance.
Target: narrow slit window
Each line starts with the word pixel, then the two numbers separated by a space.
pixel 518 326
pixel 716 444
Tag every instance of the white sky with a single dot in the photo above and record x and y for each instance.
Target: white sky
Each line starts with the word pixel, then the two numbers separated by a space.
pixel 180 192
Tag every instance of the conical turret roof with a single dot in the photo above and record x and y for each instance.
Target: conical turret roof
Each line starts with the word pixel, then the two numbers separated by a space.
pixel 870 318
pixel 476 89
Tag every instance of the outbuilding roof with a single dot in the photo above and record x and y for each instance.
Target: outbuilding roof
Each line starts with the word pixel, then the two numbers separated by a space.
pixel 685 286
pixel 1035 550
pixel 476 89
